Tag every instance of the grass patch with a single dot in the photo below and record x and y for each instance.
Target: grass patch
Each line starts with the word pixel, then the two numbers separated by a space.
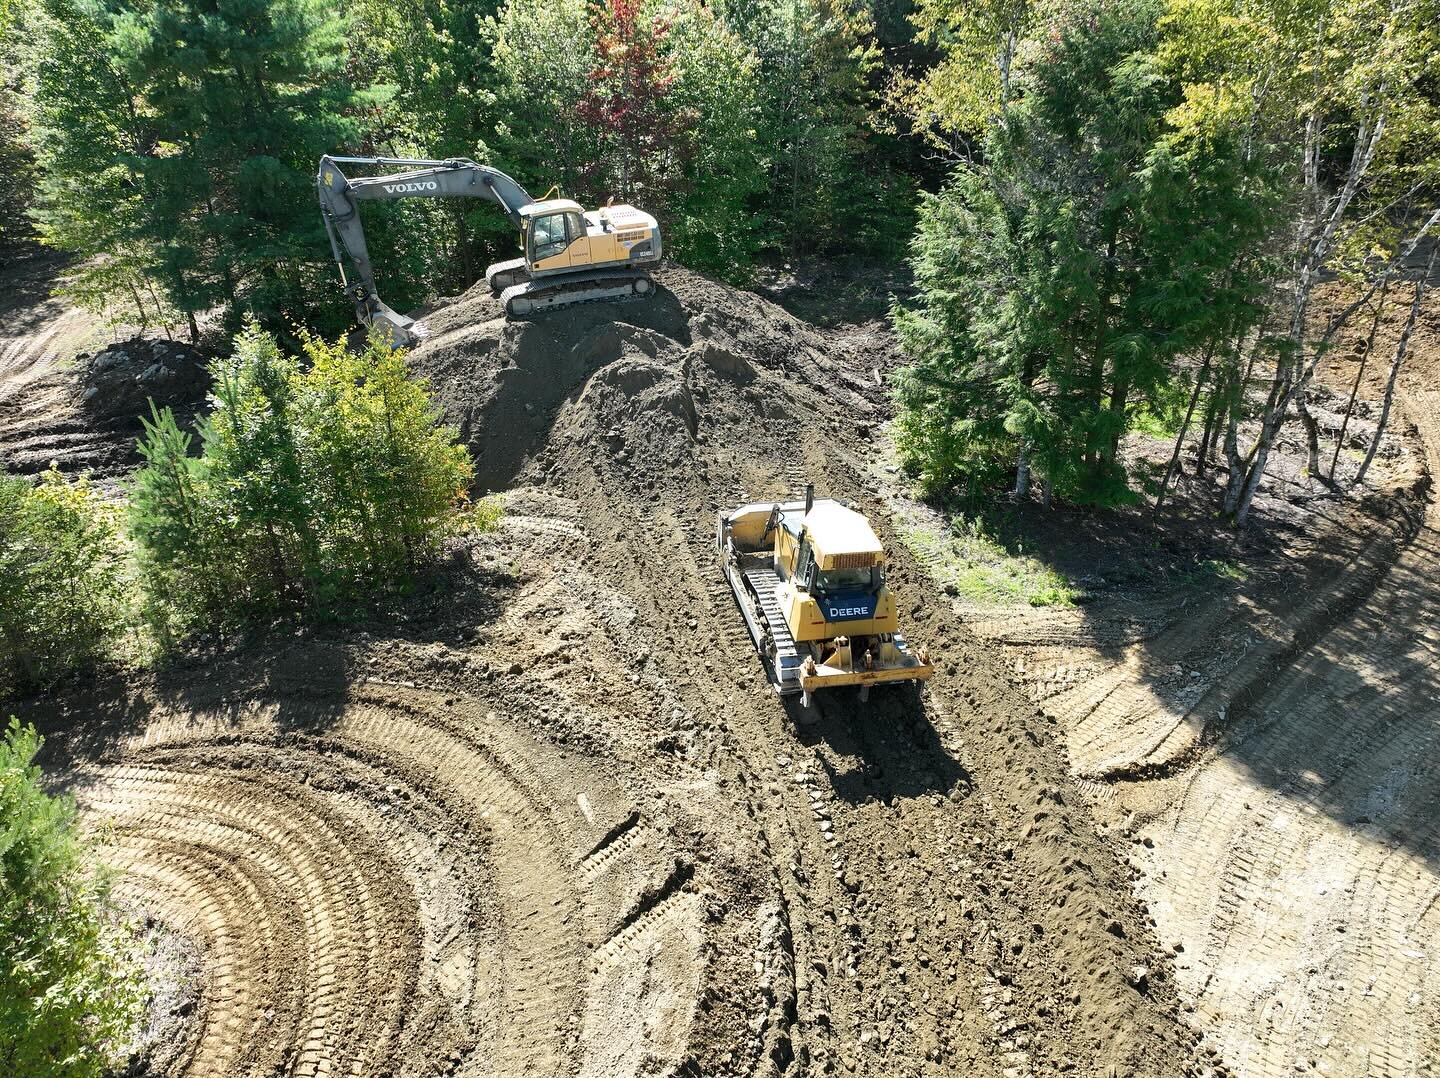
pixel 973 563
pixel 1212 570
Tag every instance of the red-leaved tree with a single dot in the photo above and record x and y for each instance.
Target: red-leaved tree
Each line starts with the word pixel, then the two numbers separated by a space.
pixel 643 133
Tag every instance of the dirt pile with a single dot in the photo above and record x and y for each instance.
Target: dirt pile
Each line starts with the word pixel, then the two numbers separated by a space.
pixel 84 415
pixel 550 819
pixel 120 381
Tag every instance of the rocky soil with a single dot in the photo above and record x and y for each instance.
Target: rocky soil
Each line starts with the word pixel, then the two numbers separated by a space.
pixel 549 818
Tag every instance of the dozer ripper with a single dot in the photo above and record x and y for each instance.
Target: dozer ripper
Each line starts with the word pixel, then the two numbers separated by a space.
pixel 571 255
pixel 809 578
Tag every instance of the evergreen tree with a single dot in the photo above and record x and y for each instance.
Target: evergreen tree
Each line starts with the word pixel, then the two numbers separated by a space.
pixel 70 988
pixel 314 484
pixel 183 136
pixel 829 190
pixel 1094 245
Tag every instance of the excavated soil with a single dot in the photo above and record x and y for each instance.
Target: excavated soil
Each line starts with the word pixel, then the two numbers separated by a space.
pixel 549 819
pixel 1267 746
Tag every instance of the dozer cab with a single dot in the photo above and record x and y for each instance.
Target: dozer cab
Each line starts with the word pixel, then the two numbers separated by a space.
pixel 809 577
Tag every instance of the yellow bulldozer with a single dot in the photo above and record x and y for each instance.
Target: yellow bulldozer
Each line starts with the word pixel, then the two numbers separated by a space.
pixel 809 578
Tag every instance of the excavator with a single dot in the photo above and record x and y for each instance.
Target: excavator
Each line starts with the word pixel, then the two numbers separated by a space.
pixel 809 579
pixel 571 255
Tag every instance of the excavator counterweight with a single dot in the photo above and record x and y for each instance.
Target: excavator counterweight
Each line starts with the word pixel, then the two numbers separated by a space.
pixel 571 255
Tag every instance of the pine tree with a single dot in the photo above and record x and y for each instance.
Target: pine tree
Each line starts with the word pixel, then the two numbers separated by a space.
pixel 1094 245
pixel 817 62
pixel 314 484
pixel 183 136
pixel 70 986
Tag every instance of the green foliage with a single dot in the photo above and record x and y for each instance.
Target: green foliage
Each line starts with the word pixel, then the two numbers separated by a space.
pixel 70 989
pixel 1060 279
pixel 314 484
pixel 953 101
pixel 178 142
pixel 976 565
pixel 17 165
pixel 695 86
pixel 817 65
pixel 64 591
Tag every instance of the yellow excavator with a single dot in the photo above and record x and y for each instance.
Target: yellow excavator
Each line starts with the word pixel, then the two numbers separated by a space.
pixel 809 577
pixel 571 255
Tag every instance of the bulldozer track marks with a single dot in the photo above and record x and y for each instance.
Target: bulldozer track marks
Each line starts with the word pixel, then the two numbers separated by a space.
pixel 284 865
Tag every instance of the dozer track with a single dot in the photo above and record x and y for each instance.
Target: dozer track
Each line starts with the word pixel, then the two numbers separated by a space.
pixel 758 582
pixel 546 293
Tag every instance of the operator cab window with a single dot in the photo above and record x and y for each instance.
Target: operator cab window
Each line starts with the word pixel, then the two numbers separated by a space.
pixel 547 236
pixel 577 226
pixel 846 579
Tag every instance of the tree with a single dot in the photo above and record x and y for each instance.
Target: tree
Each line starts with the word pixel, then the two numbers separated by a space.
pixel 690 79
pixel 1333 95
pixel 314 485
pixel 641 135
pixel 817 60
pixel 17 165
pixel 64 587
pixel 952 102
pixel 70 988
pixel 182 138
pixel 1061 277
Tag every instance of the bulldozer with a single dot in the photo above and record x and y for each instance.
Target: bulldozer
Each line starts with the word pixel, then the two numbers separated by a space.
pixel 571 255
pixel 809 578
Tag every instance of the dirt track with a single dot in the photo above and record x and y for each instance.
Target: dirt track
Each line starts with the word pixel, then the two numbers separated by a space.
pixel 552 821
pixel 1268 748
pixel 549 820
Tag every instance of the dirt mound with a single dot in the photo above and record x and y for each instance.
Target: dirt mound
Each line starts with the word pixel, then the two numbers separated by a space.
pixel 84 416
pixel 552 820
pixel 120 381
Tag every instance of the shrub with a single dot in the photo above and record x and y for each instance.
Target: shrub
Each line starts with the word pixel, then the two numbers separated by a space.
pixel 63 586
pixel 70 989
pixel 314 484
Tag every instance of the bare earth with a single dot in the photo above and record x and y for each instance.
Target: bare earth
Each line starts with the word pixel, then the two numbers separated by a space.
pixel 546 817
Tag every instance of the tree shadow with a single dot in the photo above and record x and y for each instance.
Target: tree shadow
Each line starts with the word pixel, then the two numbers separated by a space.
pixel 296 679
pixel 1302 652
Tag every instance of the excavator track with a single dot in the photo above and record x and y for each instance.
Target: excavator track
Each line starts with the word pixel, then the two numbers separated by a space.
pixel 547 293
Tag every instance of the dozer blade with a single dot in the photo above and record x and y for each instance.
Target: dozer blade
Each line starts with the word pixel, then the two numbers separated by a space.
pixel 898 663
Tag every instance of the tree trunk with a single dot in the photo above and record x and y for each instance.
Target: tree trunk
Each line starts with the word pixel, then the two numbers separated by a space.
pixel 1184 428
pixel 1234 462
pixel 1022 473
pixel 1401 349
pixel 1213 418
pixel 1312 436
pixel 1360 374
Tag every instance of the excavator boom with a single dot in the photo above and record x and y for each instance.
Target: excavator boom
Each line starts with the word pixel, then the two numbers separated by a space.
pixel 570 256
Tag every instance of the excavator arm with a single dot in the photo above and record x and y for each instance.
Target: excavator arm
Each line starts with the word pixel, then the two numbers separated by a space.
pixel 339 208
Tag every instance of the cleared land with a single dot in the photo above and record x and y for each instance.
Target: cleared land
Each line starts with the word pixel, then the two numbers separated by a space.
pixel 548 819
